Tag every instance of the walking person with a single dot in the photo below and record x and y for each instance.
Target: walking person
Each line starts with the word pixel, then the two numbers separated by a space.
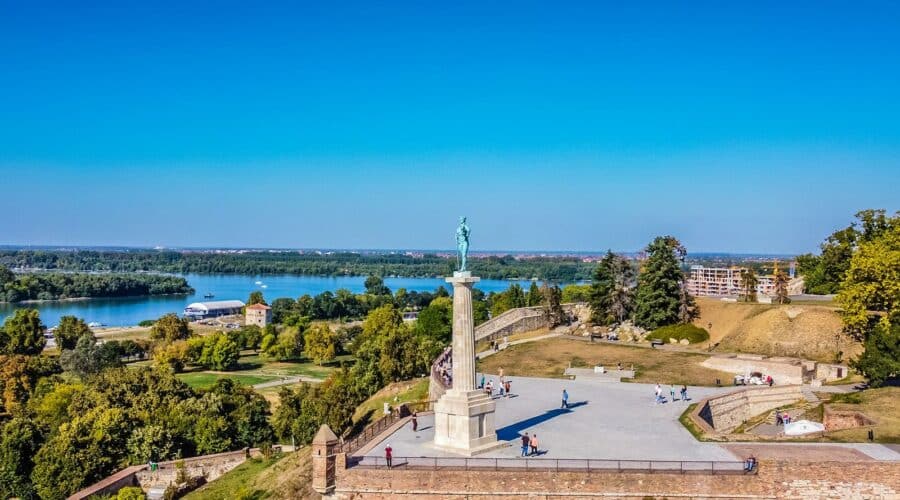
pixel 672 392
pixel 658 393
pixel 526 442
pixel 684 393
pixel 482 382
pixel 565 400
pixel 415 422
pixel 507 387
pixel 534 444
pixel 388 455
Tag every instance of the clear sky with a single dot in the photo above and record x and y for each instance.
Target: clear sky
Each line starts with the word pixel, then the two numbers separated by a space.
pixel 734 126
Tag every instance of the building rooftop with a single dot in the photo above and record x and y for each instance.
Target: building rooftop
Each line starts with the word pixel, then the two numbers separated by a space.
pixel 258 307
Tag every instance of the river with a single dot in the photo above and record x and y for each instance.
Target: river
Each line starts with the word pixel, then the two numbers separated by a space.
pixel 129 311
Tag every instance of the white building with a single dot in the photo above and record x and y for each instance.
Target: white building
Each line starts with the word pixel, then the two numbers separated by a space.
pixel 200 310
pixel 726 282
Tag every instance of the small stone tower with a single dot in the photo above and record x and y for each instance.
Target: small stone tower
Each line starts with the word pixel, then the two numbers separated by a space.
pixel 323 460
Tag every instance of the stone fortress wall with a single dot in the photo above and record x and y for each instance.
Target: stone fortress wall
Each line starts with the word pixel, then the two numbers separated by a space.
pixel 775 479
pixel 723 414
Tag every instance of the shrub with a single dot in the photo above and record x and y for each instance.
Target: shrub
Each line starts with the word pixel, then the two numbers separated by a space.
pixel 694 334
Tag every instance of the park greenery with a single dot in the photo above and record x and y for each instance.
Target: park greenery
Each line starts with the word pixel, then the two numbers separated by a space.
pixel 558 269
pixel 861 264
pixel 693 334
pixel 653 297
pixel 66 285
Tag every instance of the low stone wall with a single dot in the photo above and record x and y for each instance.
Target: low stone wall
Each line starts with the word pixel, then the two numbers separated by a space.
pixel 524 319
pixel 835 420
pixel 209 466
pixel 782 371
pixel 722 414
pixel 775 479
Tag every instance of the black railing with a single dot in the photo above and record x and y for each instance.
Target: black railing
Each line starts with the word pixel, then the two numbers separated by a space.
pixel 351 445
pixel 557 464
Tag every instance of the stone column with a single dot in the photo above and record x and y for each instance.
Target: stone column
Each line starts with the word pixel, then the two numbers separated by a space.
pixel 464 416
pixel 463 332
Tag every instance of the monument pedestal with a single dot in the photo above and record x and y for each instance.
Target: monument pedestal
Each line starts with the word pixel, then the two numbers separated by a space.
pixel 464 416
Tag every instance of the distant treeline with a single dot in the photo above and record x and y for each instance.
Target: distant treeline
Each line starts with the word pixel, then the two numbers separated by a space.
pixel 559 269
pixel 59 285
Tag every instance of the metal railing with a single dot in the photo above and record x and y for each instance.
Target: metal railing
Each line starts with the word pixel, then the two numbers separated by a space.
pixel 557 464
pixel 358 441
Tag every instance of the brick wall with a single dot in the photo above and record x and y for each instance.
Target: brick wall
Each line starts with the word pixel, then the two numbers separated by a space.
pixel 775 480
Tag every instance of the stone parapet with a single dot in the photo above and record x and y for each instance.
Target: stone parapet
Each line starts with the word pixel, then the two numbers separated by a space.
pixel 722 414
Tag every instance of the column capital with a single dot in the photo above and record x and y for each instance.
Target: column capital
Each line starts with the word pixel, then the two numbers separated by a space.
pixel 463 278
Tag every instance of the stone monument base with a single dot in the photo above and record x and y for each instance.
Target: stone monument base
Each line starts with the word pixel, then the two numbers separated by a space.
pixel 464 423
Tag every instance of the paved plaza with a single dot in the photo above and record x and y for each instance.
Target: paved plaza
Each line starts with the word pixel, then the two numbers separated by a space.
pixel 617 421
pixel 610 421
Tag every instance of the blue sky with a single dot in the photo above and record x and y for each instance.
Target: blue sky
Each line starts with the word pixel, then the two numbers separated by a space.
pixel 751 127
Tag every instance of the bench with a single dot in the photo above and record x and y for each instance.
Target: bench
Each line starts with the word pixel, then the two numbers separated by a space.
pixel 656 342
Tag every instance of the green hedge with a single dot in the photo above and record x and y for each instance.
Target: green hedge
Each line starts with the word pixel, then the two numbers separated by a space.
pixel 694 334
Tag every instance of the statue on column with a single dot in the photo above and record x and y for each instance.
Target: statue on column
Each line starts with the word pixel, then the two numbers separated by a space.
pixel 462 243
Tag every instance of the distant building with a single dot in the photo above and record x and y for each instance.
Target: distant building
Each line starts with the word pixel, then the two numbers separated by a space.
pixel 201 310
pixel 726 282
pixel 258 314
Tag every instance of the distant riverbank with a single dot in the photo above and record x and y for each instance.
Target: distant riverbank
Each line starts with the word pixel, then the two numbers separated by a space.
pixel 129 311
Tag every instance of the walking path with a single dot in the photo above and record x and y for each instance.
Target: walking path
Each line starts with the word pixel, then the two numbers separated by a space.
pixel 287 381
pixel 491 352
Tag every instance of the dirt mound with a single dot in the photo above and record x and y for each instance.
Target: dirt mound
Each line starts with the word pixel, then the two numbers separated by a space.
pixel 290 477
pixel 803 331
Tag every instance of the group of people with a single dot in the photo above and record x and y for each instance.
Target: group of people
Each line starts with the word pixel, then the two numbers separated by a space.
pixel 445 368
pixel 782 418
pixel 487 385
pixel 529 445
pixel 662 399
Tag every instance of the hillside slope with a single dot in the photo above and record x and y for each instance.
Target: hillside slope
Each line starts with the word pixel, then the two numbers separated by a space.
pixel 804 331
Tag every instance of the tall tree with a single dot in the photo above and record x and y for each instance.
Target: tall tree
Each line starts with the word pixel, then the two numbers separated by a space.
pixel 320 343
pixel 871 288
pixel 6 276
pixel 781 288
pixel 749 282
pixel 552 303
pixel 88 357
pixel 880 361
pixel 68 332
pixel 658 298
pixel 23 333
pixel 375 286
pixel 534 297
pixel 611 291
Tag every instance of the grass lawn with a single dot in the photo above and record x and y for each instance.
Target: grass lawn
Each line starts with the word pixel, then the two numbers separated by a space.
pixel 484 345
pixel 205 380
pixel 394 394
pixel 882 405
pixel 550 358
pixel 288 476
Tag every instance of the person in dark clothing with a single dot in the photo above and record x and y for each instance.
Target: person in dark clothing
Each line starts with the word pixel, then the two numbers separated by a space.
pixel 388 455
pixel 526 441
pixel 415 422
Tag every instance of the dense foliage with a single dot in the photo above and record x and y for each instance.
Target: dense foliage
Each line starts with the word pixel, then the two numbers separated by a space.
pixel 57 285
pixel 824 273
pixel 62 432
pixel 612 291
pixel 560 269
pixel 661 298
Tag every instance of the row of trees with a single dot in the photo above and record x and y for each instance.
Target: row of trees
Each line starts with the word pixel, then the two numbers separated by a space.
pixel 559 269
pixel 654 297
pixel 56 285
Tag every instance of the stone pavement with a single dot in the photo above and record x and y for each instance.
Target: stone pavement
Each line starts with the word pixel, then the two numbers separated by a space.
pixel 605 421
pixel 615 421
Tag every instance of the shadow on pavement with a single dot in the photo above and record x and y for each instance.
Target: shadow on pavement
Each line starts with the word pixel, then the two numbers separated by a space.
pixel 514 431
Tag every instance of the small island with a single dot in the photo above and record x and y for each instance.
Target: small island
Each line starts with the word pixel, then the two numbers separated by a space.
pixel 34 286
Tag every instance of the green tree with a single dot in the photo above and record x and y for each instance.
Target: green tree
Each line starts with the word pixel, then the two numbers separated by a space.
pixel 659 286
pixel 534 297
pixel 321 343
pixel 871 287
pixel 611 296
pixel 170 328
pixel 749 282
pixel 880 361
pixel 256 297
pixel 576 293
pixel 552 303
pixel 23 333
pixel 781 291
pixel 88 357
pixel 436 320
pixel 6 276
pixel 172 356
pixel 68 332
pixel 375 286
pixel 20 439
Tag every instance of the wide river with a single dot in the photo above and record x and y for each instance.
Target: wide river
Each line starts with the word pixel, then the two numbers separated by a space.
pixel 131 310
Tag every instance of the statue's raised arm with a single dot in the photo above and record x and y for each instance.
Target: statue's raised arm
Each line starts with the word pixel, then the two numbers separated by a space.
pixel 462 243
